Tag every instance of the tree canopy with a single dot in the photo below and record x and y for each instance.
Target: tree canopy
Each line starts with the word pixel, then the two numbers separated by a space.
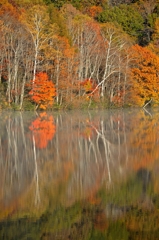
pixel 71 41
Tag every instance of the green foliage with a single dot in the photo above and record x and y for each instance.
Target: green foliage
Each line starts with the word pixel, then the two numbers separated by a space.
pixel 28 105
pixel 97 235
pixel 51 222
pixel 2 96
pixel 127 194
pixel 151 20
pixel 22 229
pixel 82 4
pixel 47 2
pixel 28 2
pixel 117 231
pixel 79 4
pixel 15 106
pixel 126 16
pixel 114 230
pixel 76 3
pixel 57 3
pixel 57 18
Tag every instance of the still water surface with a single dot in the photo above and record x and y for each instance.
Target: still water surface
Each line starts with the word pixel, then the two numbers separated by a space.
pixel 79 175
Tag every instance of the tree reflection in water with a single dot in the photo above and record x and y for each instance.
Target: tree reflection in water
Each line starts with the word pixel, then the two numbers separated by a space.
pixel 102 158
pixel 43 129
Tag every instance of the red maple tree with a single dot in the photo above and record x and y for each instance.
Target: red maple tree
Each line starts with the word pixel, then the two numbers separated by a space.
pixel 43 91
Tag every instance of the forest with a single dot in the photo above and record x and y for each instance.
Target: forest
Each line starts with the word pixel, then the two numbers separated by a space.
pixel 67 54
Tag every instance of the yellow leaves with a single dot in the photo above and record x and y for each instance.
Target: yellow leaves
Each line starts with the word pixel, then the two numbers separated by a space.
pixel 144 74
pixel 42 106
pixel 87 132
pixel 144 139
pixel 89 85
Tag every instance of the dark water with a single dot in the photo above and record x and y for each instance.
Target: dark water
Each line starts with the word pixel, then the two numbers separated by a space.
pixel 79 175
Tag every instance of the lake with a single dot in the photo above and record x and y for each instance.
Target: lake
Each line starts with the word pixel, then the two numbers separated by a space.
pixel 81 175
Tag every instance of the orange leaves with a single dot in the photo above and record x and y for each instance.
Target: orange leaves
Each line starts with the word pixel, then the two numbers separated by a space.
pixel 87 132
pixel 101 223
pixel 144 73
pixel 143 141
pixel 7 7
pixel 89 86
pixel 43 91
pixel 117 99
pixel 43 129
pixel 93 11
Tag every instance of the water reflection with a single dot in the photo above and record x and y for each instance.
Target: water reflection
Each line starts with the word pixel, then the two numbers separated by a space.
pixel 47 160
pixel 43 130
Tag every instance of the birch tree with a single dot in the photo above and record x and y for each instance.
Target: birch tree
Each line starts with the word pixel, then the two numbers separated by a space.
pixel 37 24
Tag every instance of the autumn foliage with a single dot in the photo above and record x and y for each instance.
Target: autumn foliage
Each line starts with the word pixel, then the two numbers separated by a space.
pixel 43 129
pixel 80 46
pixel 90 88
pixel 93 11
pixel 144 75
pixel 43 91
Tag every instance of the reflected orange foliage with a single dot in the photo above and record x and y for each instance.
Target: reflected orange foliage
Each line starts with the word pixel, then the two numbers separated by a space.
pixel 68 168
pixel 7 210
pixel 89 130
pixel 144 140
pixel 92 199
pixel 43 129
pixel 101 223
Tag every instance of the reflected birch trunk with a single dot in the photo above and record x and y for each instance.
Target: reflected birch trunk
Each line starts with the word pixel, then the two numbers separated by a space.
pixel 36 176
pixel 125 140
pixel 87 152
pixel 119 146
pixel 106 153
